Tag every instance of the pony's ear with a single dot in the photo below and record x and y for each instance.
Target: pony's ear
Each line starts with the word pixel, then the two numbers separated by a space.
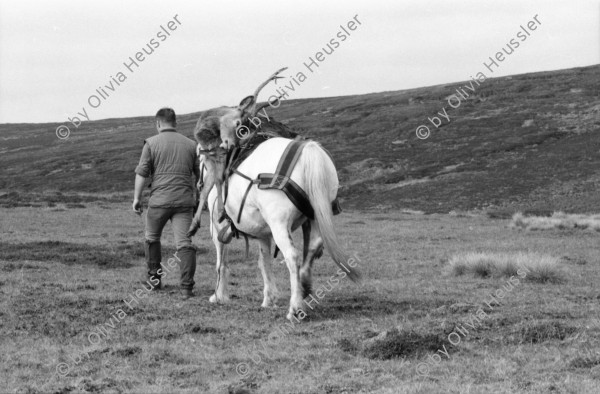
pixel 246 103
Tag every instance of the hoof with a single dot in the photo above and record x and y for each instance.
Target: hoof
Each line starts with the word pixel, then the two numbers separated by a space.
pixel 270 300
pixel 213 298
pixel 296 316
pixel 271 304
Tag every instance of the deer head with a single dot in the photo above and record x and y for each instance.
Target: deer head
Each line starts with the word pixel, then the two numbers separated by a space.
pixel 234 123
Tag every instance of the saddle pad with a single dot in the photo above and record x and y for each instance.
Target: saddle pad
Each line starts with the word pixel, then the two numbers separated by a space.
pixel 281 179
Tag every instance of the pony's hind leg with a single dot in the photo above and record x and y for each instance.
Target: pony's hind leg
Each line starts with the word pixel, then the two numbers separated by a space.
pixel 313 249
pixel 264 262
pixel 293 259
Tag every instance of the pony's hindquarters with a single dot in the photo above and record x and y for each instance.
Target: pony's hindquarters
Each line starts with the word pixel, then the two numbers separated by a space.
pixel 321 184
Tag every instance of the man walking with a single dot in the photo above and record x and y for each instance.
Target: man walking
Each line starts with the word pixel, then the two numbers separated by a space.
pixel 170 159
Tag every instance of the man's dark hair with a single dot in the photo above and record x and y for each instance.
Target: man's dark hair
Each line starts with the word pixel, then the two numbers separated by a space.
pixel 166 115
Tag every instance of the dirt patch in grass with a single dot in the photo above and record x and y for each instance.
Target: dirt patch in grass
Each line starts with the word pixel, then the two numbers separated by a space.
pixel 101 385
pixel 127 351
pixel 394 344
pixel 585 362
pixel 86 385
pixel 203 330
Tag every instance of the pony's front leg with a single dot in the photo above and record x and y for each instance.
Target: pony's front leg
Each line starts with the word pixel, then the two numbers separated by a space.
pixel 264 262
pixel 221 293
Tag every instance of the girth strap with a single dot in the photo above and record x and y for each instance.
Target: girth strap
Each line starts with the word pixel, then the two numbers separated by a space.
pixel 231 165
pixel 250 183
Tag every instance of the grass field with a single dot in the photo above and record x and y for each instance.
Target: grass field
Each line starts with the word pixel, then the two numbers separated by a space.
pixel 381 337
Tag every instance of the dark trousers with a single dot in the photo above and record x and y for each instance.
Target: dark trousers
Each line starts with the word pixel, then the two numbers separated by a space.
pixel 181 218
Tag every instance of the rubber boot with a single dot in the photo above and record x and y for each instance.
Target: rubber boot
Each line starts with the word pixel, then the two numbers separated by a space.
pixel 187 267
pixel 153 258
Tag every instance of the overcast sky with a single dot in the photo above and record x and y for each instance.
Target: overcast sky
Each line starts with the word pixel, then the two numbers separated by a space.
pixel 55 54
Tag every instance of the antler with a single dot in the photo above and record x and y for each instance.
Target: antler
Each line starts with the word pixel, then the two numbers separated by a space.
pixel 273 77
pixel 263 105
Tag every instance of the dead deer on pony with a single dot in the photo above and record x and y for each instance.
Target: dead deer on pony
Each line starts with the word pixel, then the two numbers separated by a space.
pixel 207 134
pixel 213 149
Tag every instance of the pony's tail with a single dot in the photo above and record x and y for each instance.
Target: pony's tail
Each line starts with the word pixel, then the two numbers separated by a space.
pixel 321 177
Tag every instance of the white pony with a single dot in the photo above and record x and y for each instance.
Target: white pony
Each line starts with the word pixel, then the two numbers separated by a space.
pixel 269 216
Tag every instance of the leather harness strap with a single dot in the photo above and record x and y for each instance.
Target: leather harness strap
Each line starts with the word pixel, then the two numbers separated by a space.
pixel 201 180
pixel 232 163
pixel 251 182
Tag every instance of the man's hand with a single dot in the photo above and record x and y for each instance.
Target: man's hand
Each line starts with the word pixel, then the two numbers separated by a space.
pixel 137 194
pixel 137 206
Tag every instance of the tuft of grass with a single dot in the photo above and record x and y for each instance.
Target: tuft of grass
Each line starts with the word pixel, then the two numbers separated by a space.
pixel 535 267
pixel 558 220
pixel 398 344
pixel 539 332
pixel 127 351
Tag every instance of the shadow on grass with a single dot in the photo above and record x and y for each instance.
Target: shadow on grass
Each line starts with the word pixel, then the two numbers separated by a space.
pixel 119 256
pixel 365 306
